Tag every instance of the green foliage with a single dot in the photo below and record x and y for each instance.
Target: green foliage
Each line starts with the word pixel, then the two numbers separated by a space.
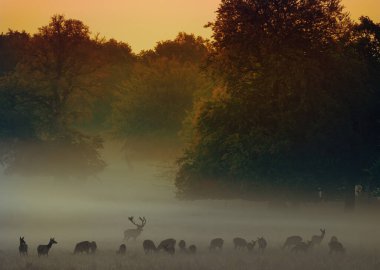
pixel 161 88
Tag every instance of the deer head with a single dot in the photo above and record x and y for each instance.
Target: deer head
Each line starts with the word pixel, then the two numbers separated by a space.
pixel 139 226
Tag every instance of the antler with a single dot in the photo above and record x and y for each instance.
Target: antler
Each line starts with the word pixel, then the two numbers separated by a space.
pixel 143 221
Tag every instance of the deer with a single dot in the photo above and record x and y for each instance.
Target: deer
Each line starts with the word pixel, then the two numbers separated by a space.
pixel 44 249
pixel 23 247
pixel 262 244
pixel 336 246
pixel 192 249
pixel 122 250
pixel 134 233
pixel 182 246
pixel 149 246
pixel 291 241
pixel 301 246
pixel 317 239
pixel 251 245
pixel 167 245
pixel 85 246
pixel 216 243
pixel 239 243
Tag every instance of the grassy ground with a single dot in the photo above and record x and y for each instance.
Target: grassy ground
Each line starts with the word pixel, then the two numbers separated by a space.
pixel 273 259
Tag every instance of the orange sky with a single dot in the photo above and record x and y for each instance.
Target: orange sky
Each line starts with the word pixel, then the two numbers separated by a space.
pixel 141 23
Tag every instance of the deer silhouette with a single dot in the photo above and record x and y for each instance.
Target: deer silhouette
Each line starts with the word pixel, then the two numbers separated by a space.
pixel 336 246
pixel 44 249
pixel 301 246
pixel 122 249
pixel 85 246
pixel 216 243
pixel 134 233
pixel 167 245
pixel 23 247
pixel 149 246
pixel 239 243
pixel 317 239
pixel 251 245
pixel 182 246
pixel 262 244
pixel 192 249
pixel 291 241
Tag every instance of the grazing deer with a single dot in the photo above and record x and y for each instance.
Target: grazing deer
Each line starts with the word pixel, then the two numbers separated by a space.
pixel 239 243
pixel 134 233
pixel 85 246
pixel 167 245
pixel 251 245
pixel 216 243
pixel 192 249
pixel 182 246
pixel 301 246
pixel 23 247
pixel 122 250
pixel 291 241
pixel 93 247
pixel 262 244
pixel 317 239
pixel 44 249
pixel 149 246
pixel 336 246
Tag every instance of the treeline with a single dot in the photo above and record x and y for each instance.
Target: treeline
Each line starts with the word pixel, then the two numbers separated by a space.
pixel 62 90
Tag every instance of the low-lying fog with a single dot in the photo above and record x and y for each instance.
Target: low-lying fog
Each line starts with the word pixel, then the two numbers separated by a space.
pixel 98 209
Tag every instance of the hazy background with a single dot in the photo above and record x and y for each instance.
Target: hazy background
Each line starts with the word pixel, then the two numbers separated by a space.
pixel 98 209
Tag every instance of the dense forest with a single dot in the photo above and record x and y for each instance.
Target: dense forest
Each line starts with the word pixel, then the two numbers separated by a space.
pixel 282 102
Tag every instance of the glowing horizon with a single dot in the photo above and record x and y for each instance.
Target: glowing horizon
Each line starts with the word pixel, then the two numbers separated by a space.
pixel 140 24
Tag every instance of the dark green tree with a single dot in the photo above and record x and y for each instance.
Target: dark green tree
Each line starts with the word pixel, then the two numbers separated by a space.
pixel 289 118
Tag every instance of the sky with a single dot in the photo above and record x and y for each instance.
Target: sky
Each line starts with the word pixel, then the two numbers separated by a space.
pixel 140 23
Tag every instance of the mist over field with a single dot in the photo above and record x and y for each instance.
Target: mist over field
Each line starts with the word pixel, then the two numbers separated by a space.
pixel 98 209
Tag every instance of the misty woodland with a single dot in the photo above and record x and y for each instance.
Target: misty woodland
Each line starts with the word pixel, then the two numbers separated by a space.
pixel 277 111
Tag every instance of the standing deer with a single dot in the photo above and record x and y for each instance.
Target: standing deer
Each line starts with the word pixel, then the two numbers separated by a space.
pixel 262 244
pixel 134 233
pixel 291 241
pixel 23 248
pixel 216 243
pixel 44 249
pixel 149 246
pixel 317 239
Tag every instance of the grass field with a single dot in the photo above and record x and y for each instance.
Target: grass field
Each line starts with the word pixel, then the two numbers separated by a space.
pixel 273 259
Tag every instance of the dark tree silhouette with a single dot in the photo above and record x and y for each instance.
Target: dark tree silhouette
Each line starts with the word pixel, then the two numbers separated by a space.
pixel 295 112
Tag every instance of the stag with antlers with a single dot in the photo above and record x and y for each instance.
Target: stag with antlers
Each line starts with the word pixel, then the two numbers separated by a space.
pixel 134 233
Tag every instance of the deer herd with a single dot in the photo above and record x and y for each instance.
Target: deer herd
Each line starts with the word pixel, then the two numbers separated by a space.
pixel 293 243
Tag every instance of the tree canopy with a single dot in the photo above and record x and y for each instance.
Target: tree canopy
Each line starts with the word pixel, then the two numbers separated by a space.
pixel 296 111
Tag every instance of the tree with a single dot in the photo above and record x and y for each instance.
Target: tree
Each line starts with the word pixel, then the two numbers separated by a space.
pixel 162 86
pixel 53 85
pixel 289 118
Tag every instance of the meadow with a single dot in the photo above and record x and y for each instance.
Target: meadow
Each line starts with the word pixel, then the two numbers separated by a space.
pixel 273 259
